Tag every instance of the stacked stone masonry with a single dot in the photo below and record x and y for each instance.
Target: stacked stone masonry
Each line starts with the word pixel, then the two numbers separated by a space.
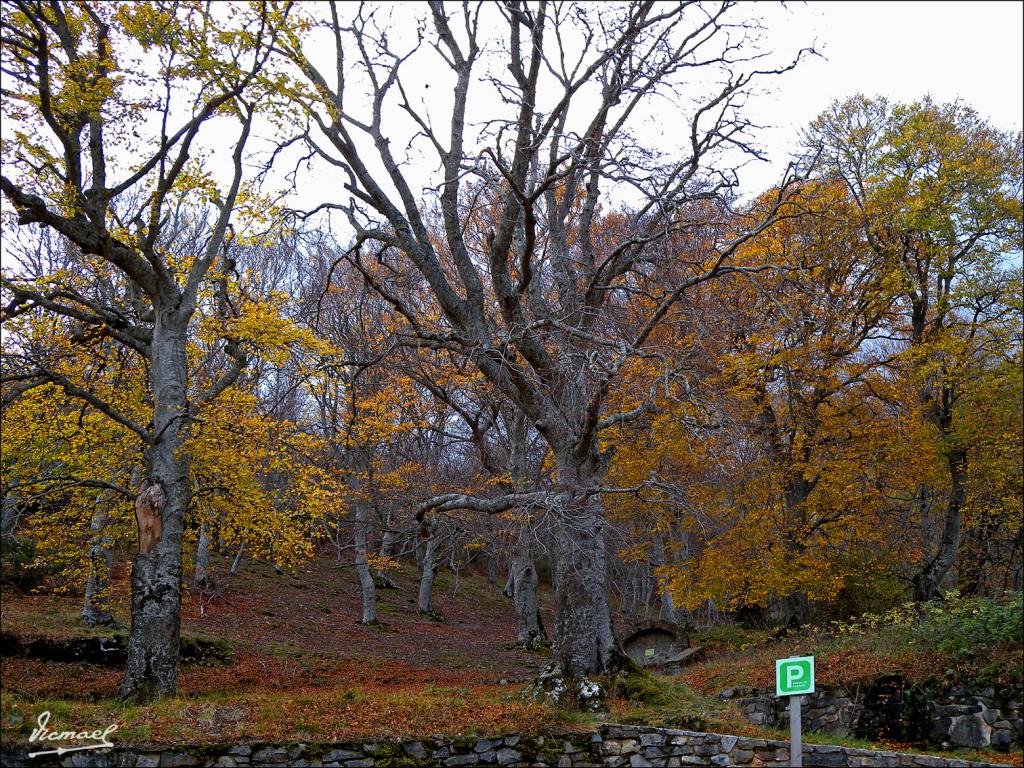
pixel 614 746
pixel 891 709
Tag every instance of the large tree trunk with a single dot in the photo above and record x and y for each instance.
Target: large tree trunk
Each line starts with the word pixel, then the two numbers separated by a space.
pixel 795 608
pixel 928 582
pixel 366 582
pixel 96 607
pixel 152 666
pixel 583 641
pixel 530 632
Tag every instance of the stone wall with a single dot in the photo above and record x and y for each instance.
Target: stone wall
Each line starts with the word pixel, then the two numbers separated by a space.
pixel 614 746
pixel 978 717
pixel 890 708
pixel 827 710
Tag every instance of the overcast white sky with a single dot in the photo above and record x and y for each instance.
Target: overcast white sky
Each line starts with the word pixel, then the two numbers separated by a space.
pixel 973 51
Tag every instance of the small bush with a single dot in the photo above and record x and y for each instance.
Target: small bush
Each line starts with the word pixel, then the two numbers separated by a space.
pixel 867 593
pixel 967 628
pixel 644 689
pixel 730 637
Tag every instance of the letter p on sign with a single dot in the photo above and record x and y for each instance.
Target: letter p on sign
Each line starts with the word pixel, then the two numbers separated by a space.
pixel 794 676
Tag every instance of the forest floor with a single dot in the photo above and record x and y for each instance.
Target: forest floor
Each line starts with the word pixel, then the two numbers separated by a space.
pixel 303 667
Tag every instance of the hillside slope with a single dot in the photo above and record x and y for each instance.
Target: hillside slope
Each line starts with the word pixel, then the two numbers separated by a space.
pixel 303 668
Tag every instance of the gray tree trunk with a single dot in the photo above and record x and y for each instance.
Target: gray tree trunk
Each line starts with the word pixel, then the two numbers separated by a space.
pixel 530 632
pixel 238 559
pixel 491 553
pixel 387 549
pixel 492 566
pixel 152 666
pixel 423 602
pixel 8 516
pixel 583 642
pixel 96 606
pixel 667 610
pixel 366 583
pixel 510 582
pixel 201 576
pixel 521 584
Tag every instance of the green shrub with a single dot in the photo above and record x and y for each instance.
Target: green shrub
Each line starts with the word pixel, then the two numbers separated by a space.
pixel 966 628
pixel 729 637
pixel 19 566
pixel 865 593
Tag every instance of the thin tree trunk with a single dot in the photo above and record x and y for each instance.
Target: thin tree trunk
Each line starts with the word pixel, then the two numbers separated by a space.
pixel 521 584
pixel 530 632
pixel 974 574
pixel 510 582
pixel 369 589
pixel 921 509
pixel 492 566
pixel 423 602
pixel 387 549
pixel 237 560
pixel 152 666
pixel 8 516
pixel 201 577
pixel 667 610
pixel 96 607
pixel 675 548
pixel 491 553
pixel 928 582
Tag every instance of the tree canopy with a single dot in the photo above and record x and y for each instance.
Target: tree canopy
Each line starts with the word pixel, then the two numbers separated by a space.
pixel 260 291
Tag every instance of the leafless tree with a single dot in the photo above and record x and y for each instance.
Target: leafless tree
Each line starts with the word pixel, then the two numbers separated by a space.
pixel 553 305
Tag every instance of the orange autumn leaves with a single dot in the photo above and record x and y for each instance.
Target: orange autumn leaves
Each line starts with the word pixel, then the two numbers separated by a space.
pixel 783 462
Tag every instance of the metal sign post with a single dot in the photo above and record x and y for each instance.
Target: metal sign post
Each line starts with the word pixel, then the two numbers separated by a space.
pixel 796 743
pixel 794 677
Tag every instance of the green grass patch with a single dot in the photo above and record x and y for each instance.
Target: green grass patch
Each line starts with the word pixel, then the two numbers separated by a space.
pixel 642 698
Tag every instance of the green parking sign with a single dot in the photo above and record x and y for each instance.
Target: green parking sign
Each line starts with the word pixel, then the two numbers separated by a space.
pixel 794 676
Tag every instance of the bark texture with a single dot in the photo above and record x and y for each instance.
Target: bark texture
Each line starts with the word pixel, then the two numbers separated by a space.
pixel 583 642
pixel 152 666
